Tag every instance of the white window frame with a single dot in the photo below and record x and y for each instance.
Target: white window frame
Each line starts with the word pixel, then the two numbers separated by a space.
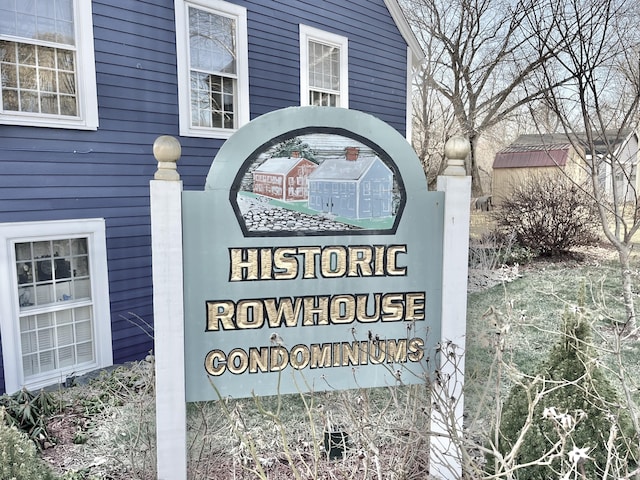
pixel 216 7
pixel 87 96
pixel 307 34
pixel 12 233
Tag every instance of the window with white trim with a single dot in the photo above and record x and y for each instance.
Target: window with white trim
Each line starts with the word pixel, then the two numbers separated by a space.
pixel 323 68
pixel 213 75
pixel 47 64
pixel 55 316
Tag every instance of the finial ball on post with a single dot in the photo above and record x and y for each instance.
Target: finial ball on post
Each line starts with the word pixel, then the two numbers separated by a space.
pixel 167 151
pixel 455 151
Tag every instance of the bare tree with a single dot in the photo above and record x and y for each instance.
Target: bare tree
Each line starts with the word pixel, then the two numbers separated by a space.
pixel 482 62
pixel 433 120
pixel 598 107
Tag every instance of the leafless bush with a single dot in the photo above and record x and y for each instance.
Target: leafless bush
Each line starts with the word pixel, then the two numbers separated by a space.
pixel 495 249
pixel 548 214
pixel 120 431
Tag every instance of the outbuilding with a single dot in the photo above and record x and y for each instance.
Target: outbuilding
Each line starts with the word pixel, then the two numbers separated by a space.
pixel 534 155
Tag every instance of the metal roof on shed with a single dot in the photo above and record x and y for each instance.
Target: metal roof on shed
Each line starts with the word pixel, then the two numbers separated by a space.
pixel 523 156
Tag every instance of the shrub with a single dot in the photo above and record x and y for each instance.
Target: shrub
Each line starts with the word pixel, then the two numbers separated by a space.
pixel 579 410
pixel 548 214
pixel 494 249
pixel 28 412
pixel 19 458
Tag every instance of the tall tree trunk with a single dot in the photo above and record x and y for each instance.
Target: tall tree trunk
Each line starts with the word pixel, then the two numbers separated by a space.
pixel 624 254
pixel 472 167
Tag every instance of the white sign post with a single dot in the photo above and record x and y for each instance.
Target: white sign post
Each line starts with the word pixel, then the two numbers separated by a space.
pixel 166 244
pixel 447 413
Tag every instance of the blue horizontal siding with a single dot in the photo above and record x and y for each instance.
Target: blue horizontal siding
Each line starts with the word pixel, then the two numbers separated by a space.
pixel 52 174
pixel 377 54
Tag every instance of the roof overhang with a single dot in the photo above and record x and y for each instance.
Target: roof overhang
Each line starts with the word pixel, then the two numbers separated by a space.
pixel 405 29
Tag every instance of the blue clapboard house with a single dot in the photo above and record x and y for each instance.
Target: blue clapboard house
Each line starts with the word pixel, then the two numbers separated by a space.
pixel 355 187
pixel 88 85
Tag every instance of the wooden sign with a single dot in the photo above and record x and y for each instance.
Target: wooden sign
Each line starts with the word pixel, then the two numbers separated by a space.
pixel 312 260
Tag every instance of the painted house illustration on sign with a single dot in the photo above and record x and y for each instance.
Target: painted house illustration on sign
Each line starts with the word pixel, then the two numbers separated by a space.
pixel 284 178
pixel 354 187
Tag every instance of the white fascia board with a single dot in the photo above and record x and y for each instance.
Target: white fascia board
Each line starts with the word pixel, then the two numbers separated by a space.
pixel 405 29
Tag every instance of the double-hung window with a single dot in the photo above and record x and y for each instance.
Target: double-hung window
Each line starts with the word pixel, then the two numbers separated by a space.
pixel 211 39
pixel 47 65
pixel 54 305
pixel 323 68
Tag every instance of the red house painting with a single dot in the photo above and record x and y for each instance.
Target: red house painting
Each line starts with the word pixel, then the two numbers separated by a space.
pixel 283 178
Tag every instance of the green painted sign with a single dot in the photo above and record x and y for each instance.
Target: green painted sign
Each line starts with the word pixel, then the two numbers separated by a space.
pixel 312 259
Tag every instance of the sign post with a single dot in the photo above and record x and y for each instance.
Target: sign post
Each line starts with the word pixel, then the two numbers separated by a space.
pixel 315 259
pixel 166 244
pixel 447 420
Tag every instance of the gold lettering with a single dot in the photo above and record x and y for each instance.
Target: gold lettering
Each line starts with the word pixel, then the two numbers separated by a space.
pixel 320 355
pixel 300 357
pixel 258 359
pixel 392 265
pixel 392 308
pixel 244 268
pixel 309 261
pixel 362 304
pixel 416 349
pixel 285 310
pixel 397 351
pixel 379 263
pixel 343 309
pixel 279 359
pixel 315 313
pixel 325 355
pixel 415 306
pixel 285 263
pixel 360 262
pixel 351 353
pixel 237 361
pixel 336 354
pixel 377 351
pixel 215 362
pixel 333 262
pixel 221 312
pixel 266 262
pixel 249 314
pixel 364 350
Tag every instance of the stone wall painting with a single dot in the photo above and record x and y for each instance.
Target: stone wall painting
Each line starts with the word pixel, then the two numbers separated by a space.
pixel 314 183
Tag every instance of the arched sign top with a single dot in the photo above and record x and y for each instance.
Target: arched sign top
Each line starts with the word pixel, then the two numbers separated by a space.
pixel 313 257
pixel 316 171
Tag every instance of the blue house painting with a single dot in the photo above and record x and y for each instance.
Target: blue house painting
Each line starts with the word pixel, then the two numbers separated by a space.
pixel 87 86
pixel 354 187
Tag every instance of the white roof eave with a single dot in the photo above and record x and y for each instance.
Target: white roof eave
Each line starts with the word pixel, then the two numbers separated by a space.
pixel 405 29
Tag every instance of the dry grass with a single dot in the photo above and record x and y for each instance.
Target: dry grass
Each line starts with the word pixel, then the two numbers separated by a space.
pixel 107 432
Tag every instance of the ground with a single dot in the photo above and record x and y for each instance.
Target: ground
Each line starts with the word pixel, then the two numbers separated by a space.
pixel 106 430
